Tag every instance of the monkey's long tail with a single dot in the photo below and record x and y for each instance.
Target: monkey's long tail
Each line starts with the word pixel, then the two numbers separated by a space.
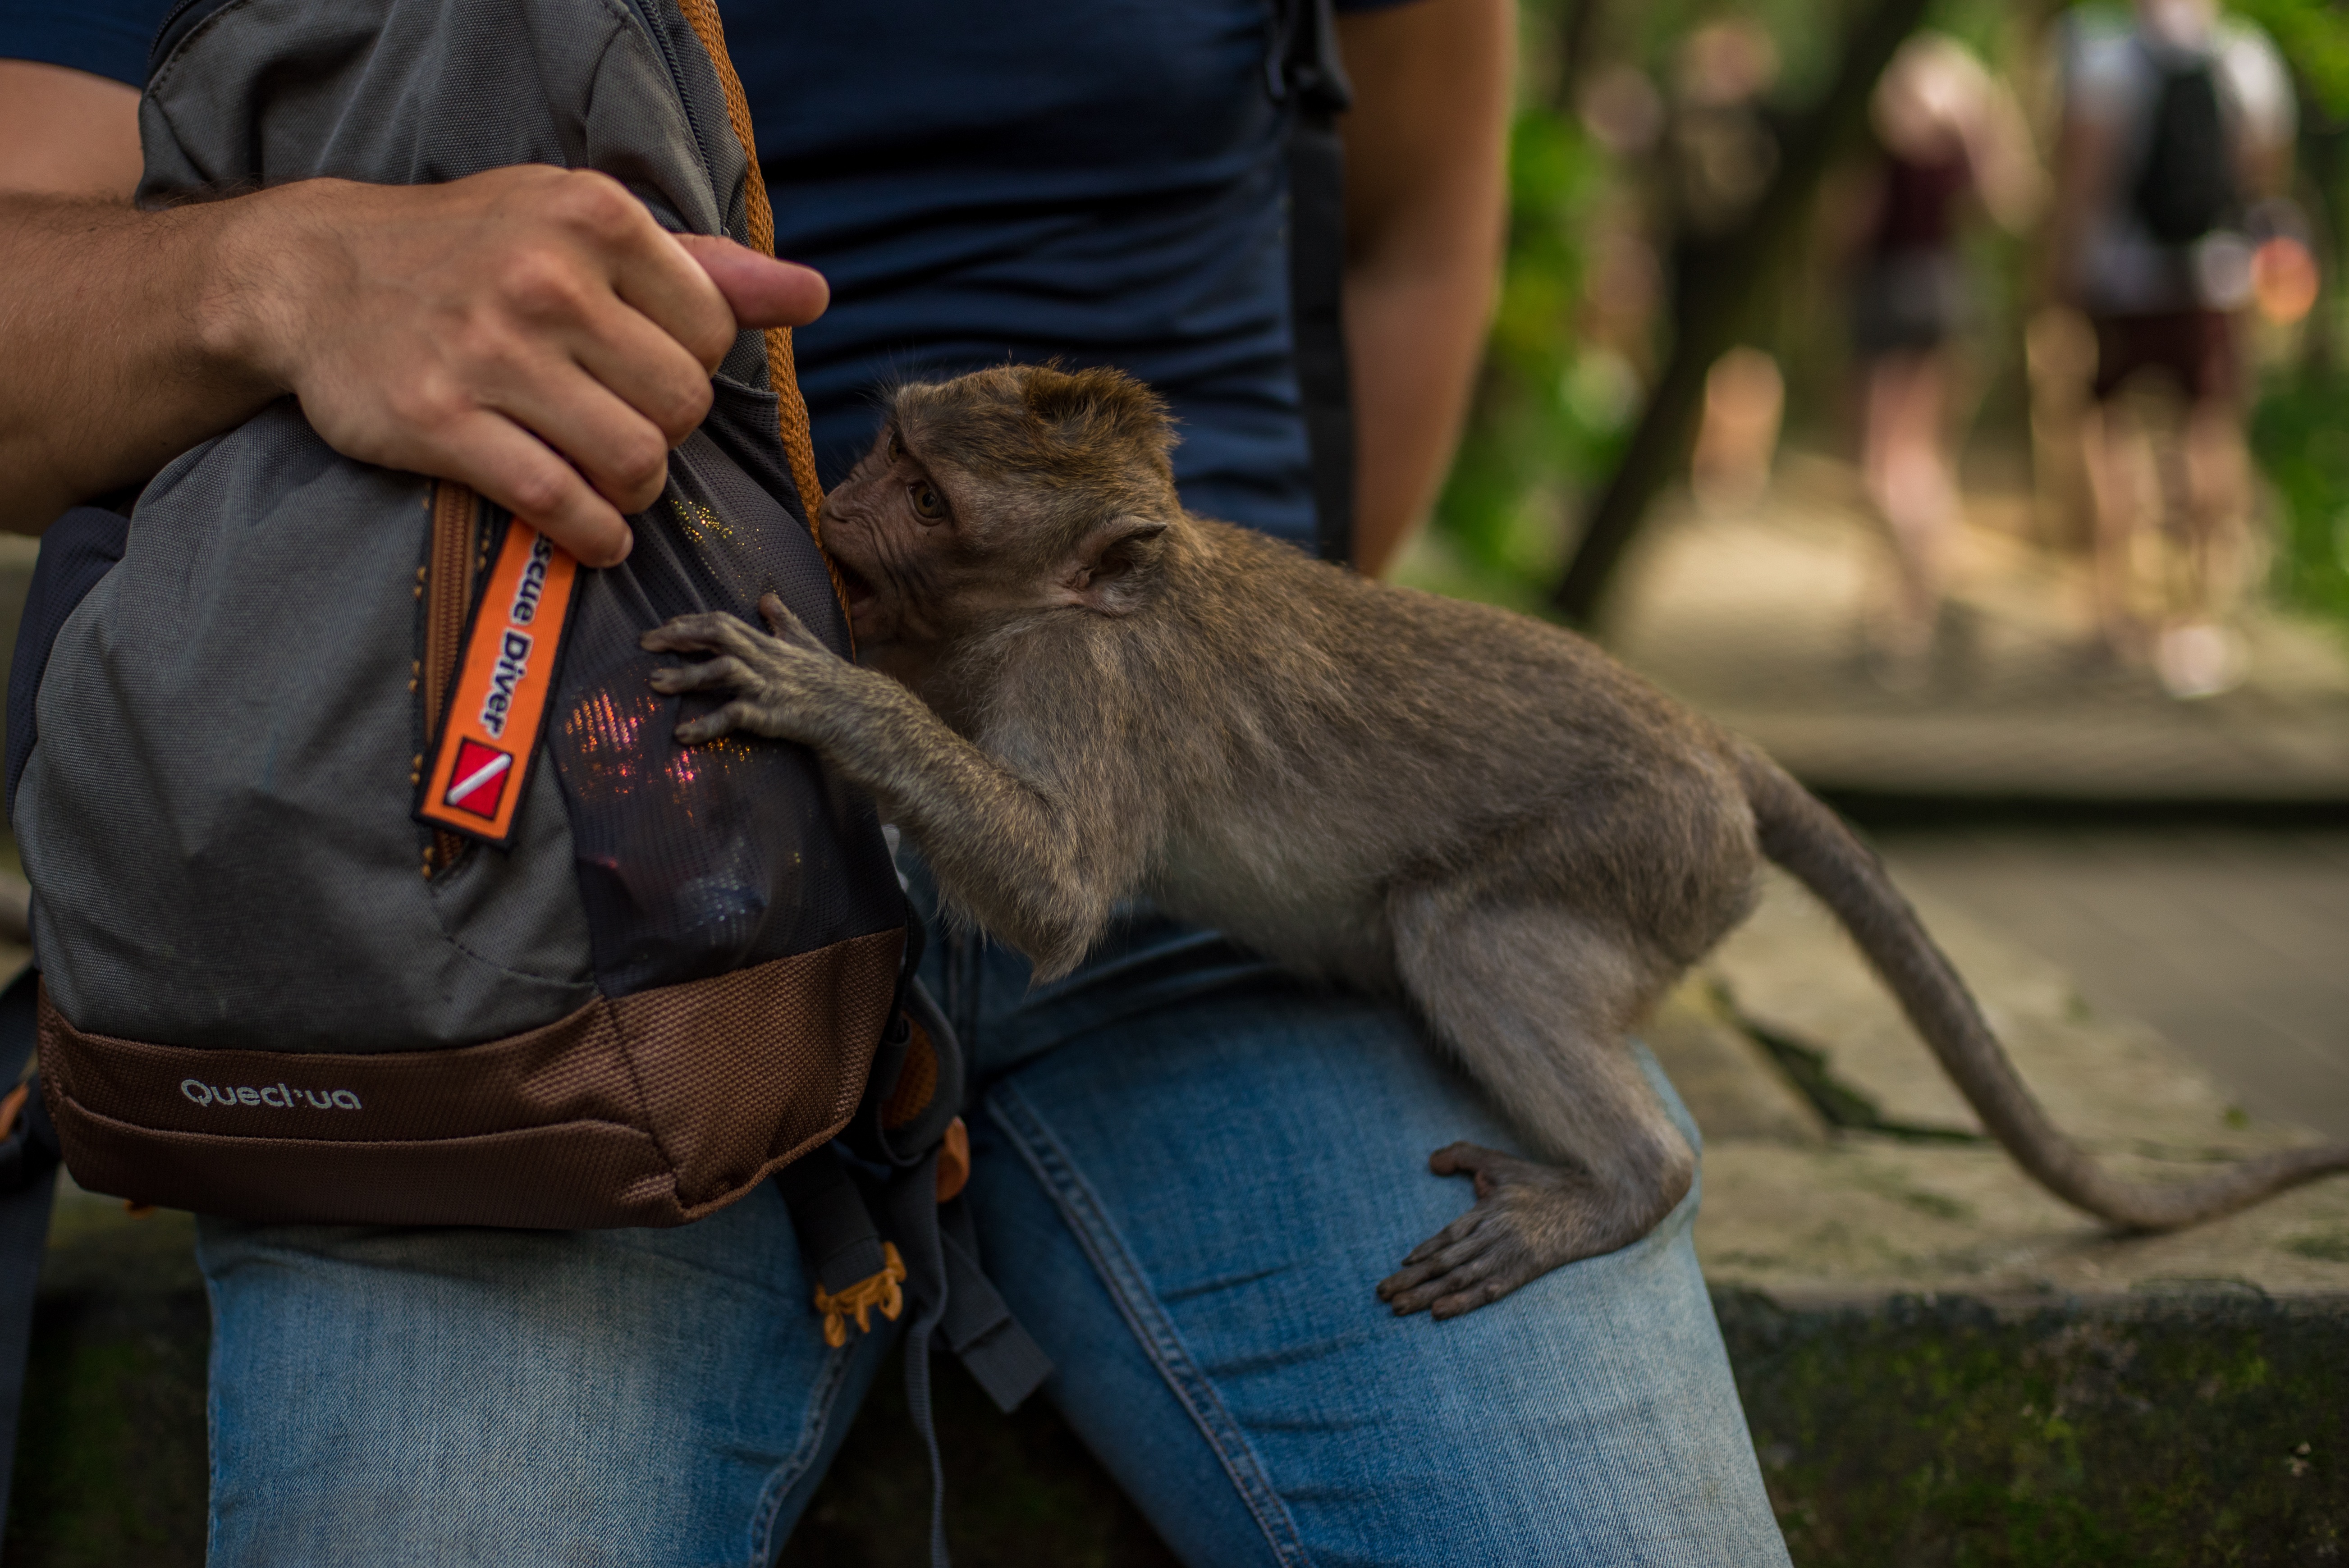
pixel 1810 841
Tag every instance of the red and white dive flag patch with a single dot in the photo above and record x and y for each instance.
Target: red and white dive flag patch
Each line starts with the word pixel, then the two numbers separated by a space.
pixel 505 675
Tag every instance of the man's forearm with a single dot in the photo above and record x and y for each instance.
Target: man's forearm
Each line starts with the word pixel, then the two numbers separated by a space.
pixel 531 332
pixel 1425 205
pixel 1415 341
pixel 110 331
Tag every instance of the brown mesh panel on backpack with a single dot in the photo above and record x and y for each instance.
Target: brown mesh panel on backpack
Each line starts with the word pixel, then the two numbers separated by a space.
pixel 650 1110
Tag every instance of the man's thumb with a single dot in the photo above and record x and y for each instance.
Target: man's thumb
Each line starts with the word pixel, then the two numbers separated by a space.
pixel 763 291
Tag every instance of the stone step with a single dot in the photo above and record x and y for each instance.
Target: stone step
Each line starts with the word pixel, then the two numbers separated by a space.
pixel 1862 1215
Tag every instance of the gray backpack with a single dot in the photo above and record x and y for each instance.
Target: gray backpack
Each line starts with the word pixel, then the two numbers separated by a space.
pixel 370 883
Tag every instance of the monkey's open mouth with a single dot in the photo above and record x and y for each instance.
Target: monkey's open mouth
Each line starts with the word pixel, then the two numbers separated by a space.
pixel 859 590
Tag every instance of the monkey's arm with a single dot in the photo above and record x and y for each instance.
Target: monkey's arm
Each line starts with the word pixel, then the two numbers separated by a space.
pixel 1012 852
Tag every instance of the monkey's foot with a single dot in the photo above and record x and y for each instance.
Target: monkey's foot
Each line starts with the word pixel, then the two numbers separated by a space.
pixel 1528 1220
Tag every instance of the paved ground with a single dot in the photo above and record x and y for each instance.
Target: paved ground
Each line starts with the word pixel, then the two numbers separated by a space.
pixel 2232 942
pixel 1757 619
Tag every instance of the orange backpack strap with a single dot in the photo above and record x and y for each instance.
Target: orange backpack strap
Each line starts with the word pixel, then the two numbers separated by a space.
pixel 791 415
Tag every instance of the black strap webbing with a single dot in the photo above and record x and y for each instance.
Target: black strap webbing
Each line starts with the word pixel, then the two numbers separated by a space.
pixel 912 1206
pixel 1308 76
pixel 952 1298
pixel 950 1294
pixel 29 1179
pixel 838 1240
pixel 979 1328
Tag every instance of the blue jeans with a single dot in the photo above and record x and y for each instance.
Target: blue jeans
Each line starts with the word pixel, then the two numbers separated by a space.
pixel 1189 1173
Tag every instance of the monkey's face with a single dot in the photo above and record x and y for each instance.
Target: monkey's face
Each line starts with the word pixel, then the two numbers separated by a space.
pixel 1000 496
pixel 916 565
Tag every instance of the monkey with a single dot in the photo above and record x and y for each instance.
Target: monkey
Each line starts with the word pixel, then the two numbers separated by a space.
pixel 1069 691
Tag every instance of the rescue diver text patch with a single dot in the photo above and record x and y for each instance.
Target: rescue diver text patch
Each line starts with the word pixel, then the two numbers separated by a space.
pixel 505 674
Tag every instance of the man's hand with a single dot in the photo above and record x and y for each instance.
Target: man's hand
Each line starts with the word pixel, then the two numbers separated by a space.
pixel 531 332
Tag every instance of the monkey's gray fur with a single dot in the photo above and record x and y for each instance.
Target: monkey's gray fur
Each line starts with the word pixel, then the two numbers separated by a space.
pixel 1089 694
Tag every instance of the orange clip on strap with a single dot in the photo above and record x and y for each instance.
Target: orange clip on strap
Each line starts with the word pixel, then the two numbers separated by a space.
pixel 954 1162
pixel 880 1291
pixel 505 676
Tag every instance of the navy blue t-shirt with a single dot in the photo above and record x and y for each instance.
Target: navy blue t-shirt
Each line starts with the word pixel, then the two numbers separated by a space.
pixel 1096 179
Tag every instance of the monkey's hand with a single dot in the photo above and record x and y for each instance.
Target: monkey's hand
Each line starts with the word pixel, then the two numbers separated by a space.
pixel 1528 1220
pixel 788 686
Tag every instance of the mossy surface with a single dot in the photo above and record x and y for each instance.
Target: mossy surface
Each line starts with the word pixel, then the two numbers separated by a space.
pixel 110 1453
pixel 2202 1430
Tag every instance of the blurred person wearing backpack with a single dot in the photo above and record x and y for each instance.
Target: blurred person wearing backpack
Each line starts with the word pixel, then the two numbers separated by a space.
pixel 2177 129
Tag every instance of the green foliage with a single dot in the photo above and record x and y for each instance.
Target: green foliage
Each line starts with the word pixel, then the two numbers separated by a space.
pixel 1538 433
pixel 2314 35
pixel 2302 443
pixel 1553 409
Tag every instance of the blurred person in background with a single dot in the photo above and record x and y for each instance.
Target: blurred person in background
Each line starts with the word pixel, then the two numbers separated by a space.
pixel 1623 284
pixel 1949 137
pixel 1721 152
pixel 2176 140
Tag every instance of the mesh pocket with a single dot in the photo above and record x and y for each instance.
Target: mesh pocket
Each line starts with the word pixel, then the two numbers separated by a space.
pixel 697 861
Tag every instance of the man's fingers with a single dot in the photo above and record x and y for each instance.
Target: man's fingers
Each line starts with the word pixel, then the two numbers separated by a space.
pixel 623 454
pixel 520 472
pixel 531 332
pixel 761 291
pixel 655 273
pixel 646 368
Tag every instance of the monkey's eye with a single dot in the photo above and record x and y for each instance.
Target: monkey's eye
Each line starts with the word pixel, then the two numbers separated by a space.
pixel 928 504
pixel 895 446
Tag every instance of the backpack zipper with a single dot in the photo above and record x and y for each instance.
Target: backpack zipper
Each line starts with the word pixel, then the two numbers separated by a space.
pixel 791 409
pixel 183 19
pixel 446 587
pixel 642 10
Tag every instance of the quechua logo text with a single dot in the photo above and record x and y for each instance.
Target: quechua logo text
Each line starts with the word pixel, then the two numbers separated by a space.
pixel 271 1096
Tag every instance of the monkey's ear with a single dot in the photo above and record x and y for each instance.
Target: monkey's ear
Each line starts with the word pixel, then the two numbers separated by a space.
pixel 1115 565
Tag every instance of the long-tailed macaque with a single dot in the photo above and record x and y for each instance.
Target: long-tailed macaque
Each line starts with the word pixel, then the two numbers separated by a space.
pixel 1072 691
